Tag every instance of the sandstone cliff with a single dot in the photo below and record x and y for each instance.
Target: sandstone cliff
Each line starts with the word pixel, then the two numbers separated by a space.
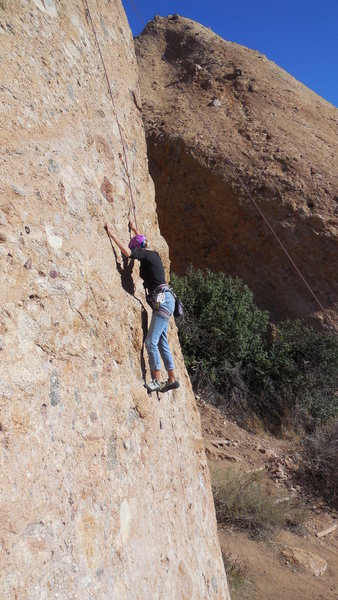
pixel 282 141
pixel 105 492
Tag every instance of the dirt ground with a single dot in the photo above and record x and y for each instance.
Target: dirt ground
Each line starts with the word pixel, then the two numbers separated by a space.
pixel 267 575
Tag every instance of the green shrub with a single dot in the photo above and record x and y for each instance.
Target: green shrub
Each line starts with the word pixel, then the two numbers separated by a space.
pixel 223 328
pixel 304 369
pixel 288 381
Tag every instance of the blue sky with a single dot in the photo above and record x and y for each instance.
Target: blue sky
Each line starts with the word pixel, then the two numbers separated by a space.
pixel 301 36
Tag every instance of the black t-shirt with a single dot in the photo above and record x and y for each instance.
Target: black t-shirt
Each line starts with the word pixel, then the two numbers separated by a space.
pixel 151 268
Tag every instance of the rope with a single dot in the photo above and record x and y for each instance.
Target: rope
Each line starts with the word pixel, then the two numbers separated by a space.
pixel 233 170
pixel 89 17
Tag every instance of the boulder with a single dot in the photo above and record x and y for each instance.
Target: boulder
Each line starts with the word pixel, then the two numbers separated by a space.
pixel 305 560
pixel 270 141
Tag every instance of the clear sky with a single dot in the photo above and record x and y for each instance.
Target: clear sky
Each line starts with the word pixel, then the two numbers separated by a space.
pixel 301 36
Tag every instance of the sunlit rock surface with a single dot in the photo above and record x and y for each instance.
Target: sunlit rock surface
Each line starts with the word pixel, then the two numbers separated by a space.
pixel 105 492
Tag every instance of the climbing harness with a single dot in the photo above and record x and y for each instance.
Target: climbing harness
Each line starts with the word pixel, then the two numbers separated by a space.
pixel 233 170
pixel 125 164
pixel 157 297
pixel 160 298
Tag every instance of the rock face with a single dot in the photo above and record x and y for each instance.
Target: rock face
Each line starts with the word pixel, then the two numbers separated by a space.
pixel 105 492
pixel 282 142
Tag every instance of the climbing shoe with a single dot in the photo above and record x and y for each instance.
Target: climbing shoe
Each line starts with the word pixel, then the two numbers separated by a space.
pixel 169 385
pixel 153 386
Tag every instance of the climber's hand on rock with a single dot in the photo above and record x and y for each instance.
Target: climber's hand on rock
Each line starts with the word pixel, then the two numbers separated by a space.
pixel 132 228
pixel 108 229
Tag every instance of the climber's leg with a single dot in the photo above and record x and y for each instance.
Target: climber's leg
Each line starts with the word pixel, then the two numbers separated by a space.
pixel 157 346
pixel 156 327
pixel 168 360
pixel 163 346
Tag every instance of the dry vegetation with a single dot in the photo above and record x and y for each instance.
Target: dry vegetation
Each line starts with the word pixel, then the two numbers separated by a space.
pixel 242 500
pixel 321 460
pixel 238 573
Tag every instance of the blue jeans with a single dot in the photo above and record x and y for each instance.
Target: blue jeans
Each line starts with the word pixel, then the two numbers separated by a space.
pixel 156 341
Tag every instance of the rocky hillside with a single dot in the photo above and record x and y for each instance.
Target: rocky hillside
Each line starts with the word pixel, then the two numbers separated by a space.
pixel 276 138
pixel 105 492
pixel 298 562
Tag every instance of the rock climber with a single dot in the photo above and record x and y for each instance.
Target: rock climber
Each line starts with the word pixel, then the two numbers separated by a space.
pixel 162 301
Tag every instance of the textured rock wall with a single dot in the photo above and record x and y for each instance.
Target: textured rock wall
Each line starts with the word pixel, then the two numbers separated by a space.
pixel 105 492
pixel 282 141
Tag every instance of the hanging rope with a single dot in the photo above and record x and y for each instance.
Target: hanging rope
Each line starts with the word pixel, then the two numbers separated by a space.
pixel 89 18
pixel 233 170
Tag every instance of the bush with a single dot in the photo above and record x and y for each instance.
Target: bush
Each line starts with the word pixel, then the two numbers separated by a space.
pixel 289 380
pixel 304 370
pixel 243 501
pixel 223 328
pixel 321 455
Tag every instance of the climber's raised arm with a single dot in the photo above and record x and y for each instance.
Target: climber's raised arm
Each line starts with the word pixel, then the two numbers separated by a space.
pixel 133 228
pixel 124 249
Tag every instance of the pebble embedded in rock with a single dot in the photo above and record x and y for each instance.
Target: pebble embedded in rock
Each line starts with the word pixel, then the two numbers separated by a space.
pixel 27 229
pixel 53 167
pixel 2 238
pixel 28 264
pixel 216 103
pixel 53 274
pixel 18 190
pixel 54 392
